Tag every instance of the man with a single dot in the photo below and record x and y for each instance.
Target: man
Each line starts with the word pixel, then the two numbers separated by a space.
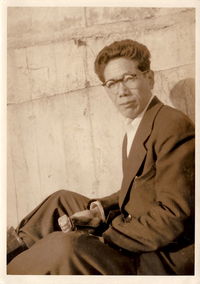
pixel 147 227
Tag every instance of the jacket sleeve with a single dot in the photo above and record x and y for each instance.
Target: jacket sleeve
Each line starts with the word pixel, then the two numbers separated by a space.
pixel 165 221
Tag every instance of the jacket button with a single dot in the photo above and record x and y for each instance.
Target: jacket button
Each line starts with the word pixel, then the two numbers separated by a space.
pixel 127 219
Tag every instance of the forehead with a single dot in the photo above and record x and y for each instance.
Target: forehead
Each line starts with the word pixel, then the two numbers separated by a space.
pixel 116 67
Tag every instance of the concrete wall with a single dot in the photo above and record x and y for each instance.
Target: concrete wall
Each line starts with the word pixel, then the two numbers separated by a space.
pixel 63 132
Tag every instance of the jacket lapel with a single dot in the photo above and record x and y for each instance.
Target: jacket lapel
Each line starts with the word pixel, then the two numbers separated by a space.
pixel 137 153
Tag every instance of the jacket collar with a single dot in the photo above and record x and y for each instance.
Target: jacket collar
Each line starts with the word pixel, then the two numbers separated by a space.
pixel 137 153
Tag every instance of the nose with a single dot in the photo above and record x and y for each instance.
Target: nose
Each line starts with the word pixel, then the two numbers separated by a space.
pixel 122 90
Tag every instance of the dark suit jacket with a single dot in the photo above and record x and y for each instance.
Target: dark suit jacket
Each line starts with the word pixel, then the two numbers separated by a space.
pixel 156 198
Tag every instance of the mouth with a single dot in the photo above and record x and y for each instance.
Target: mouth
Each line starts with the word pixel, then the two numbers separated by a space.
pixel 128 104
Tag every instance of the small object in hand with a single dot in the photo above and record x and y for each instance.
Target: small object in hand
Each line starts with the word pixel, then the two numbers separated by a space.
pixel 65 224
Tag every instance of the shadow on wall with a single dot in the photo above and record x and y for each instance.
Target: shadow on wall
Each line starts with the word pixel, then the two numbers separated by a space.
pixel 182 96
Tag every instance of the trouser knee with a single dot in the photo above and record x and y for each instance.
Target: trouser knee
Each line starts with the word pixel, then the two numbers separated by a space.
pixel 60 244
pixel 49 255
pixel 60 193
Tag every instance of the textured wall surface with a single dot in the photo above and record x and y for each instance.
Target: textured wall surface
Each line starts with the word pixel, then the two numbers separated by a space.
pixel 63 132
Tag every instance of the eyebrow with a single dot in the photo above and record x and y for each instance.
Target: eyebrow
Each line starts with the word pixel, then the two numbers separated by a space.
pixel 112 79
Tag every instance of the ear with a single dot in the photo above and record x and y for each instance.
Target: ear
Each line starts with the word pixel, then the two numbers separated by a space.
pixel 150 76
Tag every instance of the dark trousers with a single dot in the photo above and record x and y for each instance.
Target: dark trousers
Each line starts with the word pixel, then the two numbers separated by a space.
pixel 50 251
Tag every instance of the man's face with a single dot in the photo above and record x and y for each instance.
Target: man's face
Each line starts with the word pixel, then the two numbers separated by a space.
pixel 131 95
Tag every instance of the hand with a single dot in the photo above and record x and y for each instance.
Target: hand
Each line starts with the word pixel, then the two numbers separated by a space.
pixel 66 226
pixel 87 218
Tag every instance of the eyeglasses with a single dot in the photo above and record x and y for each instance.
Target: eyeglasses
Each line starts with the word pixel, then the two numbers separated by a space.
pixel 128 80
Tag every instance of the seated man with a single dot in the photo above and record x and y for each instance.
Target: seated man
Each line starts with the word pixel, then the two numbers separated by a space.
pixel 147 227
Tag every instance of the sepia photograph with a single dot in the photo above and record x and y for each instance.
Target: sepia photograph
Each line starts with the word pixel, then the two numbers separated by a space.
pixel 100 141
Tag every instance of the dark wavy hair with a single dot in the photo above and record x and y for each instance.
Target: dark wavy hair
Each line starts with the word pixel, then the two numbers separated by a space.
pixel 125 48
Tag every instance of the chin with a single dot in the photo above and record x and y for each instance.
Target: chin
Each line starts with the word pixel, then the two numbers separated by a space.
pixel 129 115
